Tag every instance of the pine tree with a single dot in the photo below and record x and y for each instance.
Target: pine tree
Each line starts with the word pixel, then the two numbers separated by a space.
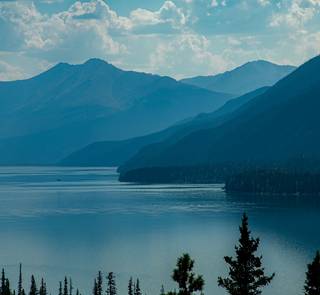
pixel 187 280
pixel 137 290
pixel 111 284
pixel 7 290
pixel 33 287
pixel 60 288
pixel 65 288
pixel 99 283
pixel 312 284
pixel 95 287
pixel 246 274
pixel 20 280
pixel 162 291
pixel 77 292
pixel 130 287
pixel 43 288
pixel 70 286
pixel 3 282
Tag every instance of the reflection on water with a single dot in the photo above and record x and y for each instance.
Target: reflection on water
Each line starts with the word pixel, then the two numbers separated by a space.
pixel 75 221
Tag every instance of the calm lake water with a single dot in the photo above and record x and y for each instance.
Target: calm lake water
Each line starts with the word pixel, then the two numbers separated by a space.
pixel 76 221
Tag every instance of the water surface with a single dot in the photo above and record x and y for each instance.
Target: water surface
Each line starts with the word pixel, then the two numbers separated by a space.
pixel 76 221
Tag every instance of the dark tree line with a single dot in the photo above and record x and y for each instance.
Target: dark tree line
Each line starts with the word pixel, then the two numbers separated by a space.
pixel 274 182
pixel 246 275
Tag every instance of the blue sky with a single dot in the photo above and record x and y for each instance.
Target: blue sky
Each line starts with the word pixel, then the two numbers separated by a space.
pixel 179 38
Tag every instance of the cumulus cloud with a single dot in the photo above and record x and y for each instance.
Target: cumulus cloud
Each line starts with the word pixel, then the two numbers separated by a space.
pixel 172 55
pixel 168 13
pixel 178 38
pixel 297 13
pixel 82 22
pixel 91 26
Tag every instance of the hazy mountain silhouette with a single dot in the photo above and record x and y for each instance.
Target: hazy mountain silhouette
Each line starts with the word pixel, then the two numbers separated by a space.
pixel 281 124
pixel 45 118
pixel 115 153
pixel 243 79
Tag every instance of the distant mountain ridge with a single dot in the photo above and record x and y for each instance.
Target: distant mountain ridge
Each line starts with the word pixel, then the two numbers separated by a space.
pixel 274 127
pixel 115 153
pixel 243 79
pixel 45 118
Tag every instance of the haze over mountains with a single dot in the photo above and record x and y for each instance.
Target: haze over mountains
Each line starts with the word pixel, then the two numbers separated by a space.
pixel 243 79
pixel 115 153
pixel 45 118
pixel 279 125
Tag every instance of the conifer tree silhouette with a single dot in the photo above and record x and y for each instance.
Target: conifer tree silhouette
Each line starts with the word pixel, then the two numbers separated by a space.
pixel 312 284
pixel 33 287
pixel 130 287
pixel 246 274
pixel 111 284
pixel 137 289
pixel 187 280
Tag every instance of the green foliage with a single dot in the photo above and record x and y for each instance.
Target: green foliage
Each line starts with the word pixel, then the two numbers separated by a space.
pixel 274 181
pixel 130 287
pixel 65 288
pixel 20 288
pixel 312 284
pixel 43 288
pixel 187 280
pixel 33 287
pixel 95 287
pixel 246 274
pixel 99 283
pixel 60 288
pixel 137 289
pixel 111 284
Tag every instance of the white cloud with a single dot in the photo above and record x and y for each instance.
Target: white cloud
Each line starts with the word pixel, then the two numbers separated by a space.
pixel 216 3
pixel 168 13
pixel 87 21
pixel 264 2
pixel 298 13
pixel 9 72
pixel 171 56
pixel 179 38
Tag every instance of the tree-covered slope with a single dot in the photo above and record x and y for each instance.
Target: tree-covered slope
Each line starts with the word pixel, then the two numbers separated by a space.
pixel 281 124
pixel 115 153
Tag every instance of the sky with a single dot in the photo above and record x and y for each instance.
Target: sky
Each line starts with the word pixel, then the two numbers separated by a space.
pixel 178 38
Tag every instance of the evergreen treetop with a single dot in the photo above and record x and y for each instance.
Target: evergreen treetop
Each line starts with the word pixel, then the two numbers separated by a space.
pixel 111 284
pixel 187 280
pixel 246 274
pixel 33 287
pixel 312 284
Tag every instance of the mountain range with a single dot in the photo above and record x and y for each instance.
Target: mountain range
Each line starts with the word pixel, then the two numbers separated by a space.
pixel 276 126
pixel 50 116
pixel 45 118
pixel 116 153
pixel 243 79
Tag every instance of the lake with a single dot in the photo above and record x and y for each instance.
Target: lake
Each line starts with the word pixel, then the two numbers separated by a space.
pixel 76 221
